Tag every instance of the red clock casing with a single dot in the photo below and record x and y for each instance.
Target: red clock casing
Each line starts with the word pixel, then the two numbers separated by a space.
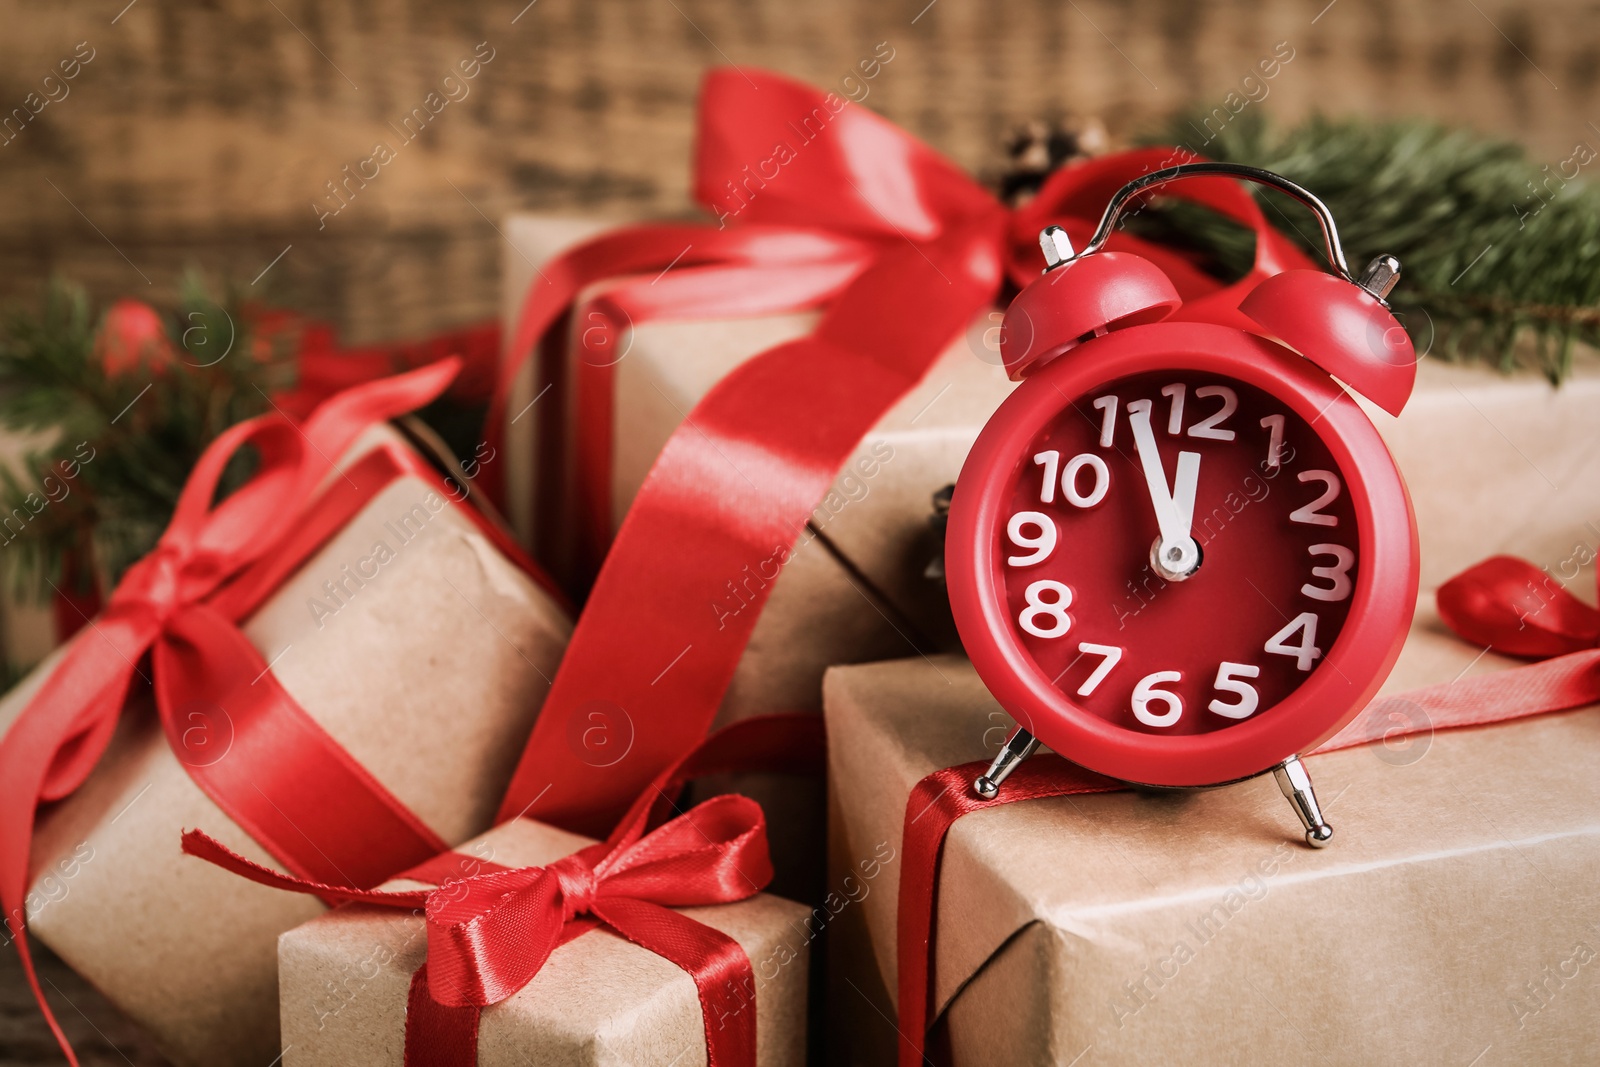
pixel 1223 600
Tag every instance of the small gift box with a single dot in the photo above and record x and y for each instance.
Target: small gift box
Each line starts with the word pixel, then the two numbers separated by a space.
pixel 331 670
pixel 1450 916
pixel 533 945
pixel 343 981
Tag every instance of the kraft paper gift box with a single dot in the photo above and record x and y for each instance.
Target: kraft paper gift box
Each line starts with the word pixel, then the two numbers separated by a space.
pixel 1494 463
pixel 430 675
pixel 1452 920
pixel 599 1000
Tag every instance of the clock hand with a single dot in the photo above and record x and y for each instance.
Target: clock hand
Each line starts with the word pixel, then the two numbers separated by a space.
pixel 1175 555
pixel 1186 481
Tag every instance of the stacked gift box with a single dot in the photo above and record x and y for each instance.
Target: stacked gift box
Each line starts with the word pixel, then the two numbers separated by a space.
pixel 551 886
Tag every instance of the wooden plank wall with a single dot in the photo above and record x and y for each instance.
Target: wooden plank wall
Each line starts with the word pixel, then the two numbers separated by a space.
pixel 201 134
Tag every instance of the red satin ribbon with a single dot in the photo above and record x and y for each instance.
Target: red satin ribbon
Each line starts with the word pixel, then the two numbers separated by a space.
pixel 323 367
pixel 901 251
pixel 284 780
pixel 1517 609
pixel 1484 602
pixel 490 933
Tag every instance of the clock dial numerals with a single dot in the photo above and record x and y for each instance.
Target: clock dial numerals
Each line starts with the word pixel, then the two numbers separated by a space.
pixel 1108 419
pixel 1264 503
pixel 1072 478
pixel 1312 514
pixel 1146 694
pixel 1051 462
pixel 1234 678
pixel 1273 424
pixel 1046 618
pixel 1210 428
pixel 1337 575
pixel 1175 393
pixel 1305 652
pixel 1110 656
pixel 1040 545
pixel 1099 480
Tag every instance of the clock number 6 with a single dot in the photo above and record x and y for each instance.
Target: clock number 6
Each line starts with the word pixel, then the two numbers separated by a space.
pixel 1053 611
pixel 1146 693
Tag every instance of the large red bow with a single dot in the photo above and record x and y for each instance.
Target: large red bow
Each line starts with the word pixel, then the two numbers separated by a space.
pixel 820 204
pixel 491 933
pixel 289 784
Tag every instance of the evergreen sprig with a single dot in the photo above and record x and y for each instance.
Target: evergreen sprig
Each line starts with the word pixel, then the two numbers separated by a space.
pixel 1501 256
pixel 115 446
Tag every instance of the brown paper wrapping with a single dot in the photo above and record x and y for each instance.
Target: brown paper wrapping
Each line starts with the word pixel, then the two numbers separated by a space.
pixel 1454 913
pixel 1493 463
pixel 599 1000
pixel 430 675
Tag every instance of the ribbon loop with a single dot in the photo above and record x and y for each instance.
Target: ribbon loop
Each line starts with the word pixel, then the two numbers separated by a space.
pixel 1517 609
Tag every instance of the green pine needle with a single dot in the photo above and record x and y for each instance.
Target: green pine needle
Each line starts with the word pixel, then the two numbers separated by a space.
pixel 1501 257
pixel 115 449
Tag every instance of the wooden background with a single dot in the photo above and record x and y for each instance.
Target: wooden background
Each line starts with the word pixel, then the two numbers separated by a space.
pixel 200 134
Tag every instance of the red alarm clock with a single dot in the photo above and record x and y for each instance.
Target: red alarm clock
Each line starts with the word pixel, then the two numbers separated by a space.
pixel 1179 554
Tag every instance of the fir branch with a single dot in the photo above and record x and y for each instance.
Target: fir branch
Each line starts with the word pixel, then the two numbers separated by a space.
pixel 116 445
pixel 1501 256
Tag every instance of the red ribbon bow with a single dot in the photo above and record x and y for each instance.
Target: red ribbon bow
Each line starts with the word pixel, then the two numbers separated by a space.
pixel 289 784
pixel 821 204
pixel 491 933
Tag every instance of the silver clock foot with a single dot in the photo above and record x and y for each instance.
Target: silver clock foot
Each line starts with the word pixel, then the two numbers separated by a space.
pixel 1296 785
pixel 1018 747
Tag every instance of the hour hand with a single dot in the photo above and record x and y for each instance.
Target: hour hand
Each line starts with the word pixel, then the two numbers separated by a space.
pixel 1175 555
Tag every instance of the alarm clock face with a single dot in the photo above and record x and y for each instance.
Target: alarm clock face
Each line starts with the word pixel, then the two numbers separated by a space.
pixel 1264 632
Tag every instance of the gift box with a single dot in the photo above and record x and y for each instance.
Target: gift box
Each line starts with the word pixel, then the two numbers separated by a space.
pixel 856 587
pixel 1450 920
pixel 409 637
pixel 343 980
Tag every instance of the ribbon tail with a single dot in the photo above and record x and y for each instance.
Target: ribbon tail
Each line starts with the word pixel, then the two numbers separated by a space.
pixel 720 968
pixel 932 808
pixel 201 845
pixel 439 1035
pixel 19 792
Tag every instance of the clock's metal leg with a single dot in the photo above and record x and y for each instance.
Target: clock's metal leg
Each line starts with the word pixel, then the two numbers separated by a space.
pixel 1018 747
pixel 1296 785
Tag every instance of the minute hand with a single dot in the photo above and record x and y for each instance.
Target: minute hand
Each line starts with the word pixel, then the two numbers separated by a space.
pixel 1174 508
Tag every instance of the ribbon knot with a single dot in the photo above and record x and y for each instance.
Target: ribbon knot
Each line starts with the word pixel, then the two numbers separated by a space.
pixel 155 583
pixel 579 884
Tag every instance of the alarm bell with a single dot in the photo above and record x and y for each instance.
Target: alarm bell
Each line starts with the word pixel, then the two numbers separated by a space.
pixel 1338 321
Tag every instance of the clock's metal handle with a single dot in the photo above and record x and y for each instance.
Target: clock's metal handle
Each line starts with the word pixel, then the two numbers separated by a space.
pixel 1379 277
pixel 1119 202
